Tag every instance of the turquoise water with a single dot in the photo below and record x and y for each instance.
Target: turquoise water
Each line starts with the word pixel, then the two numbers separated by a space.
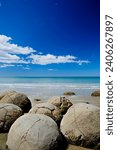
pixel 46 87
pixel 82 80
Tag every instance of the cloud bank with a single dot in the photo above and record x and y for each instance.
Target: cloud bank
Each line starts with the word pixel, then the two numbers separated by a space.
pixel 12 54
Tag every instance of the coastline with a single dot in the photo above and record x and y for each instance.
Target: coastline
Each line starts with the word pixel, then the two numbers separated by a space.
pixel 43 91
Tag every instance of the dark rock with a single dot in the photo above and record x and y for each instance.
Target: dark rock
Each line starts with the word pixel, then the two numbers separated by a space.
pixel 37 99
pixel 69 93
pixel 96 93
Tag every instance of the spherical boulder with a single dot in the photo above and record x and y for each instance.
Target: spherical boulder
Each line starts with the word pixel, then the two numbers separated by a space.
pixel 5 93
pixel 33 132
pixel 18 99
pixel 8 114
pixel 61 102
pixel 96 93
pixel 81 125
pixel 47 109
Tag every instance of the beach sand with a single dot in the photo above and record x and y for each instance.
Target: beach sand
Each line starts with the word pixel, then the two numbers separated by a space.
pixel 90 99
pixel 74 99
pixel 3 139
pixel 73 147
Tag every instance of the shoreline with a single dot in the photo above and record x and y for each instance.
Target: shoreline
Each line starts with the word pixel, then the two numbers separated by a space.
pixel 74 99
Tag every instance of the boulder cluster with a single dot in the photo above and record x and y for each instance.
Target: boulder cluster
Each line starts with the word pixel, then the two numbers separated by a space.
pixel 48 126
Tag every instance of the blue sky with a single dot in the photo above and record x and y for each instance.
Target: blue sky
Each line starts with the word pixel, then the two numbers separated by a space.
pixel 49 38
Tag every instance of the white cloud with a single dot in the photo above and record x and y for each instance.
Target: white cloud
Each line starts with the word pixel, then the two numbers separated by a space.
pixel 11 53
pixel 6 65
pixel 80 62
pixel 52 59
pixel 8 58
pixel 40 53
pixel 7 46
pixel 26 68
pixel 19 65
pixel 50 69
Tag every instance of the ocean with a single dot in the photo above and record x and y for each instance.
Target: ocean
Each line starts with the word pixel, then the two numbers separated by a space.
pixel 46 87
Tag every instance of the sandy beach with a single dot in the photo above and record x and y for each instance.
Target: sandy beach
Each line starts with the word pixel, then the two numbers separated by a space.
pixel 40 90
pixel 50 74
pixel 3 138
pixel 74 100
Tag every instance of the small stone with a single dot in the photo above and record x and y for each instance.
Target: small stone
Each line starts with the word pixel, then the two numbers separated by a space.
pixel 69 93
pixel 37 99
pixel 96 93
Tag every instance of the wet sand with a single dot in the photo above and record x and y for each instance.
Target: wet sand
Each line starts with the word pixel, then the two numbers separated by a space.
pixel 74 99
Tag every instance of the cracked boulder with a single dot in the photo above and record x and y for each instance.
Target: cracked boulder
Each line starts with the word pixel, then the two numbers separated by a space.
pixel 16 98
pixel 5 93
pixel 8 114
pixel 49 110
pixel 61 102
pixel 81 125
pixel 33 132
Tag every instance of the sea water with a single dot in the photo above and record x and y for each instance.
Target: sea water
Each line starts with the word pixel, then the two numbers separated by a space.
pixel 46 87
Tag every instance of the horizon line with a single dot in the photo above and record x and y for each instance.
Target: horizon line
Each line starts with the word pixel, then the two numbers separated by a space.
pixel 44 76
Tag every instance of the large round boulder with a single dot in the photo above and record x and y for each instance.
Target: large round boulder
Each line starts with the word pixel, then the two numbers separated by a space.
pixel 5 93
pixel 61 102
pixel 18 99
pixel 8 114
pixel 33 132
pixel 49 110
pixel 81 125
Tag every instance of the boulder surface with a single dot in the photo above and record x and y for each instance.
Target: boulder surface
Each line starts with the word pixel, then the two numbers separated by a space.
pixel 16 98
pixel 61 102
pixel 8 114
pixel 96 93
pixel 33 132
pixel 47 109
pixel 81 125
